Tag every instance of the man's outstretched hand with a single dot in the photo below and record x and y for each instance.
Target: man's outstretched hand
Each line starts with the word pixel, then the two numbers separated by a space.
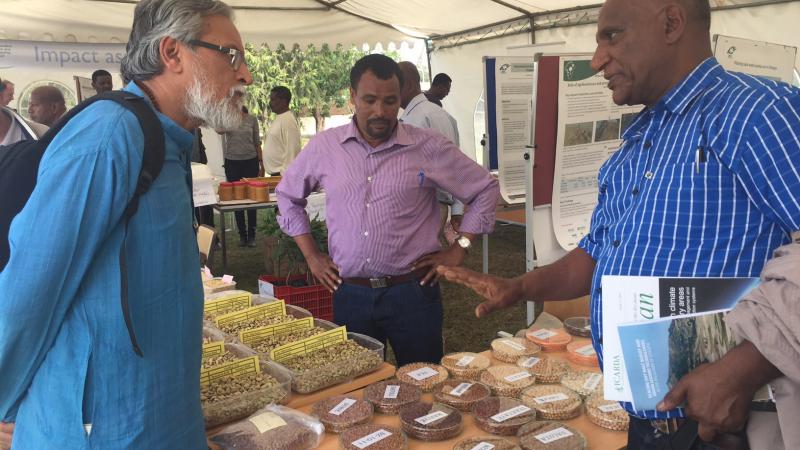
pixel 498 292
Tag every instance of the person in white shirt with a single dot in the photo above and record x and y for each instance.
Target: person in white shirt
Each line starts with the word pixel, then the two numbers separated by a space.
pixel 420 112
pixel 283 138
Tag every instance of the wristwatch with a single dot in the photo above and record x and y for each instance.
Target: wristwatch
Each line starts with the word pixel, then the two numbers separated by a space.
pixel 463 242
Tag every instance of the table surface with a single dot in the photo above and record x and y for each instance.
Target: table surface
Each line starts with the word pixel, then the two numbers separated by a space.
pixel 597 437
pixel 242 206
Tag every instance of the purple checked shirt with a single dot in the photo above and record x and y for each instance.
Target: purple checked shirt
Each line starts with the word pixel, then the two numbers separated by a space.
pixel 380 206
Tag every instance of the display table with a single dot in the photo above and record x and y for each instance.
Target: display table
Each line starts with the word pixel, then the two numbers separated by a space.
pixel 597 437
pixel 233 206
pixel 298 401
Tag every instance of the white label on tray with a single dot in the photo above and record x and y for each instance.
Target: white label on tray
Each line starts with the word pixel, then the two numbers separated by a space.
pixel 391 391
pixel 465 360
pixel 517 376
pixel 267 421
pixel 550 398
pixel 510 413
pixel 460 389
pixel 593 381
pixel 227 279
pixel 586 350
pixel 432 417
pixel 372 438
pixel 610 407
pixel 422 374
pixel 553 435
pixel 543 334
pixel 513 345
pixel 530 362
pixel 342 406
pixel 483 446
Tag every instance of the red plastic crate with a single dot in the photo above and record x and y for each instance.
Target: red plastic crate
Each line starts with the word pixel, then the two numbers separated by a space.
pixel 315 298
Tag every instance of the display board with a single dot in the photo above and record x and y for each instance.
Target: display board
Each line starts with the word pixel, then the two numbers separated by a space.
pixel 773 61
pixel 508 83
pixel 84 88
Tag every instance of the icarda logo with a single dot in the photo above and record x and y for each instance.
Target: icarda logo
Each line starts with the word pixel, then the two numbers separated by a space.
pixel 731 51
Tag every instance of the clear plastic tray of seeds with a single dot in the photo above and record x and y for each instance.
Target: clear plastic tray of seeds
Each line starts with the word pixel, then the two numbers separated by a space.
pixel 584 382
pixel 231 331
pixel 509 350
pixel 461 393
pixel 502 415
pixel 341 412
pixel 430 421
pixel 552 402
pixel 387 397
pixel 234 397
pixel 486 443
pixel 549 435
pixel 465 364
pixel 335 364
pixel 507 380
pixel 547 370
pixel 373 436
pixel 606 413
pixel 272 428
pixel 263 346
pixel 426 376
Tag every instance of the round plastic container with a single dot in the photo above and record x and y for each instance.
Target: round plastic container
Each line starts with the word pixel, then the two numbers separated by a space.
pixel 461 393
pixel 580 351
pixel 606 413
pixel 430 421
pixel 546 370
pixel 550 339
pixel 552 402
pixel 426 376
pixel 225 192
pixel 465 364
pixel 387 397
pixel 507 380
pixel 484 442
pixel 509 350
pixel 341 412
pixel 382 437
pixel 258 191
pixel 578 326
pixel 239 190
pixel 583 382
pixel 502 415
pixel 547 435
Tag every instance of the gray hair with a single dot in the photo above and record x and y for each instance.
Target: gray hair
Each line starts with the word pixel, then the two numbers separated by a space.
pixel 154 20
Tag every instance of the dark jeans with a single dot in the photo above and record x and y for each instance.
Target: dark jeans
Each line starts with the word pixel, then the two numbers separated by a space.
pixel 642 436
pixel 408 315
pixel 235 170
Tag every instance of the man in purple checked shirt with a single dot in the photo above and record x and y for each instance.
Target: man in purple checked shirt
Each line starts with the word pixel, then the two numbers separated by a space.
pixel 380 178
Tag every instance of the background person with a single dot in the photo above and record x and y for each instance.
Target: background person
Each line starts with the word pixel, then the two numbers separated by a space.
pixel 102 81
pixel 46 105
pixel 283 138
pixel 440 87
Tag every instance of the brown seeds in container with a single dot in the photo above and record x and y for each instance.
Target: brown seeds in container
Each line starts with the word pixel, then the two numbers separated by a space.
pixel 578 326
pixel 486 443
pixel 389 396
pixel 507 380
pixel 502 415
pixel 236 397
pixel 425 375
pixel 552 401
pixel 269 431
pixel 461 393
pixel 546 435
pixel 342 412
pixel 373 436
pixel 606 413
pixel 546 370
pixel 511 349
pixel 583 382
pixel 272 342
pixel 465 364
pixel 235 328
pixel 331 365
pixel 430 421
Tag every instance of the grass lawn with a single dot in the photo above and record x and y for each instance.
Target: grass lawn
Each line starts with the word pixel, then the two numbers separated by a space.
pixel 462 331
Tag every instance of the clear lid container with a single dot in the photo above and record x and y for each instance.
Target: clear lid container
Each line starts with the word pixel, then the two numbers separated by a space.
pixel 486 443
pixel 502 415
pixel 509 350
pixel 606 413
pixel 373 436
pixel 552 402
pixel 461 393
pixel 430 421
pixel 583 382
pixel 507 380
pixel 424 375
pixel 547 435
pixel 581 351
pixel 550 339
pixel 547 370
pixel 341 412
pixel 389 396
pixel 465 364
pixel 578 326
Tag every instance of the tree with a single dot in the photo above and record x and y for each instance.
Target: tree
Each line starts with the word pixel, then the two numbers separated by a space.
pixel 318 78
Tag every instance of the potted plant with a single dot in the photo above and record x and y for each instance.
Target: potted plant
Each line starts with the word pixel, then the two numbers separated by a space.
pixel 282 256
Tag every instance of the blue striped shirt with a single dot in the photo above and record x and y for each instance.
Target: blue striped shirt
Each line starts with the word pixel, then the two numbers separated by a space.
pixel 659 213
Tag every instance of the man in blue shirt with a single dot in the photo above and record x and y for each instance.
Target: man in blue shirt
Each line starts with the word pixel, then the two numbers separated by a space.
pixel 705 184
pixel 70 377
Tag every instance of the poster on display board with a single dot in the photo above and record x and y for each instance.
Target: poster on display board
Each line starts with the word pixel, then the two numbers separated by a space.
pixel 589 128
pixel 84 88
pixel 509 84
pixel 764 59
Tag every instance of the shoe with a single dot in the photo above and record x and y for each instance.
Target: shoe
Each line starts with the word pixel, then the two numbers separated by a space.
pixel 251 242
pixel 242 241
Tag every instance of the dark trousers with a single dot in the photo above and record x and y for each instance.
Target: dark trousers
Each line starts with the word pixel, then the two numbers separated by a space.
pixel 235 170
pixel 643 436
pixel 408 315
pixel 204 215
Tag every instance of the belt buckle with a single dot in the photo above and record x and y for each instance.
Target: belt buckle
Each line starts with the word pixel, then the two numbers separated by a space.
pixel 377 283
pixel 665 426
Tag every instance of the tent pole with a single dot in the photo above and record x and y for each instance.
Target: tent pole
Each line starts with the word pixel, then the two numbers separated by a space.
pixel 428 46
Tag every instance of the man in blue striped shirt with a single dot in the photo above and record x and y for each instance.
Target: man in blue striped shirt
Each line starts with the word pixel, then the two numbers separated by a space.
pixel 706 183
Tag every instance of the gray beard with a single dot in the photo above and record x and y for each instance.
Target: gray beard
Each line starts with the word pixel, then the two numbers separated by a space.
pixel 225 115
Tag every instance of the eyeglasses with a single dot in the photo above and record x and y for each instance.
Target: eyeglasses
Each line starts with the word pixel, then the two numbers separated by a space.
pixel 237 57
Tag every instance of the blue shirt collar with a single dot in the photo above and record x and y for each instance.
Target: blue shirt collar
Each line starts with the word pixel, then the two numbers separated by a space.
pixel 182 137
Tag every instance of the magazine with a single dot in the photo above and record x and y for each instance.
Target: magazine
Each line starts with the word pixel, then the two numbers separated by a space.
pixel 630 299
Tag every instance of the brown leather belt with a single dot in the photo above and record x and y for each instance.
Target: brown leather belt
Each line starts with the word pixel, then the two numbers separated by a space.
pixel 388 281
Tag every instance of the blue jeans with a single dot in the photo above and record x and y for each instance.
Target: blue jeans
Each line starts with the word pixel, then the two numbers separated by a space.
pixel 643 436
pixel 408 315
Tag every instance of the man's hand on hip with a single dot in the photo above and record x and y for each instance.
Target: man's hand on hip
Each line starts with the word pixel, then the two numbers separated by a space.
pixel 324 270
pixel 6 432
pixel 499 292
pixel 451 256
